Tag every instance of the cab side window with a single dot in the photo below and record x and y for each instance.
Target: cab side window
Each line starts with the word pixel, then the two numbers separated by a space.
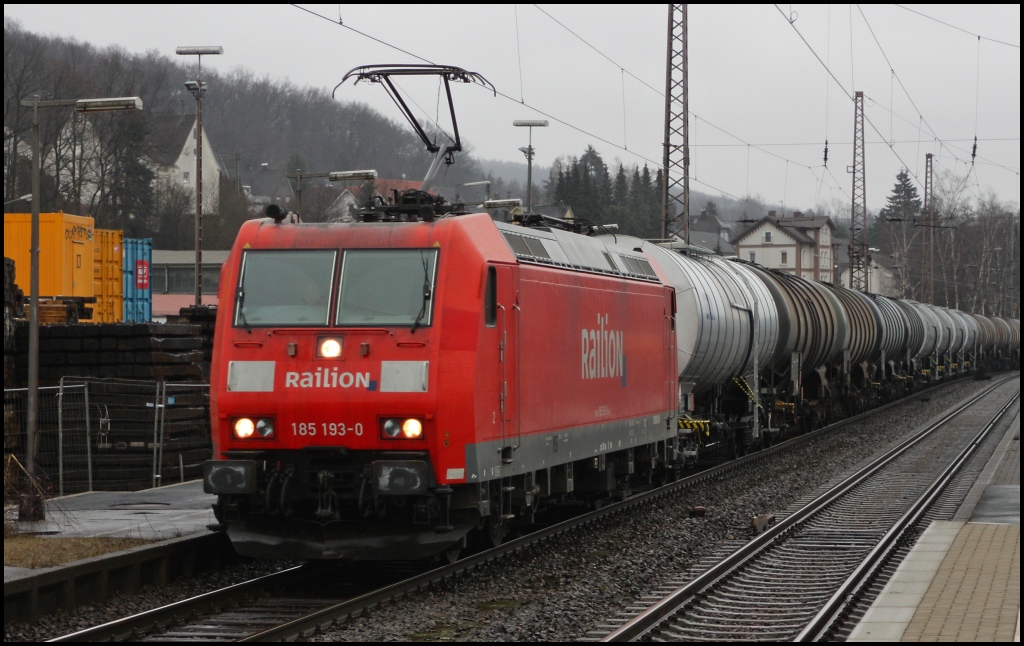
pixel 491 298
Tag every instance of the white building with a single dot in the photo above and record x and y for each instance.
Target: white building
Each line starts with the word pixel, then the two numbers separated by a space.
pixel 799 245
pixel 173 155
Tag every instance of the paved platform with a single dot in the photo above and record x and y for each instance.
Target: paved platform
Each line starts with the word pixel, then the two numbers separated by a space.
pixel 961 582
pixel 161 513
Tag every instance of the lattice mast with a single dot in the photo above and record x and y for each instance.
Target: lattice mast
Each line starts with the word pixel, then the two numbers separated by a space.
pixel 859 209
pixel 676 156
pixel 928 239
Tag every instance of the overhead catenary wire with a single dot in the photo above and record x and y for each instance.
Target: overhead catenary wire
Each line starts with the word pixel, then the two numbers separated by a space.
pixel 519 54
pixel 969 33
pixel 536 109
pixel 947 143
pixel 920 115
pixel 838 82
pixel 654 89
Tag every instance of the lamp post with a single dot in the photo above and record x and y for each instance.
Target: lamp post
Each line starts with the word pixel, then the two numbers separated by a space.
pixel 198 90
pixel 528 151
pixel 32 508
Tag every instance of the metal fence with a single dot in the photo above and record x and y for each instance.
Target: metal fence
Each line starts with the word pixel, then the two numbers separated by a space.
pixel 113 434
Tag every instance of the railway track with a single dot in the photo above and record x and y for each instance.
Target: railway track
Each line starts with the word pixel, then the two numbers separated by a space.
pixel 292 604
pixel 796 581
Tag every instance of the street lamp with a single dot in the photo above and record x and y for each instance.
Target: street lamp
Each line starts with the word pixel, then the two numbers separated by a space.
pixel 483 182
pixel 32 508
pixel 198 90
pixel 23 198
pixel 528 151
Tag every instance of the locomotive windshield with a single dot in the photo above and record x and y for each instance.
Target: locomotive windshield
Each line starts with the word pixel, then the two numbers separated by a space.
pixel 291 288
pixel 387 287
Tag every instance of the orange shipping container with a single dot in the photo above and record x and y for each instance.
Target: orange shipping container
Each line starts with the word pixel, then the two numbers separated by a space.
pixel 108 283
pixel 66 253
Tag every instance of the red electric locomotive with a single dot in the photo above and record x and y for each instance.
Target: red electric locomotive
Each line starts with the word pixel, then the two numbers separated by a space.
pixel 382 388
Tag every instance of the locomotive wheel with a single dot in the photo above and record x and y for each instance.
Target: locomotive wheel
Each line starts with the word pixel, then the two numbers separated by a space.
pixel 452 554
pixel 494 531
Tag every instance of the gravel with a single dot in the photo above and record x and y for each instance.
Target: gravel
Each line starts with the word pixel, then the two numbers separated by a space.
pixel 559 590
pixel 123 605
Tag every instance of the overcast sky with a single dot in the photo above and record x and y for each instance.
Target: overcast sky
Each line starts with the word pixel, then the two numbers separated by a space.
pixel 761 103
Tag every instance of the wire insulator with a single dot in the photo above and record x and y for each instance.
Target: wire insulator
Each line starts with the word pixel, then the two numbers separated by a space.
pixel 974 150
pixel 826 153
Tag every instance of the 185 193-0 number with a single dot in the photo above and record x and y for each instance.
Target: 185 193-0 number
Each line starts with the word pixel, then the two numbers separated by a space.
pixel 325 429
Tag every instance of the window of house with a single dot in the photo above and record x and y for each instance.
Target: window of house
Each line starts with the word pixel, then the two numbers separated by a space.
pixel 767 236
pixel 753 257
pixel 785 257
pixel 186 176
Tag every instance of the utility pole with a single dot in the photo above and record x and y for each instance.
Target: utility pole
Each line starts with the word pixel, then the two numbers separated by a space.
pixel 676 155
pixel 859 208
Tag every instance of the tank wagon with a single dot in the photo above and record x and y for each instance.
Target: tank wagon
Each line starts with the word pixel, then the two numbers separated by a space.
pixel 396 386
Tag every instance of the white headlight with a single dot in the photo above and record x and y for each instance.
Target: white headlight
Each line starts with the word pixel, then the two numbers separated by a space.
pixel 412 428
pixel 244 428
pixel 330 348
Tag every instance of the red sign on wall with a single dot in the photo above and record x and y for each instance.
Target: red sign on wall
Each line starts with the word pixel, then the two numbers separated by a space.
pixel 141 274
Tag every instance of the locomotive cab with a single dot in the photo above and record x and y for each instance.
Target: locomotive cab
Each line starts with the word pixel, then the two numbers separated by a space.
pixel 325 393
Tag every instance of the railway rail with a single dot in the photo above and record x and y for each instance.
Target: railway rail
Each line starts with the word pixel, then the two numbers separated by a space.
pixel 269 609
pixel 796 580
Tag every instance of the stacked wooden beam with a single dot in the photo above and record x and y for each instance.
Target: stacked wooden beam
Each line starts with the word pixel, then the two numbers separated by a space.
pixel 206 318
pixel 149 351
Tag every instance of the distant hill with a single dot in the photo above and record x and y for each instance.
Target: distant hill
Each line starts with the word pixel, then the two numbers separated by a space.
pixel 514 171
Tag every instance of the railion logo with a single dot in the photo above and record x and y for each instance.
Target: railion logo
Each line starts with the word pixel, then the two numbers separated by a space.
pixel 329 378
pixel 603 354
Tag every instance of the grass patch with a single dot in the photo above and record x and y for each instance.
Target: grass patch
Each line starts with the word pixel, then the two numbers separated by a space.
pixel 441 632
pixel 39 551
pixel 500 604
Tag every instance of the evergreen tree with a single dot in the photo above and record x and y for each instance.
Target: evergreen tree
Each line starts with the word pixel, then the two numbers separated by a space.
pixel 620 190
pixel 904 203
pixel 130 192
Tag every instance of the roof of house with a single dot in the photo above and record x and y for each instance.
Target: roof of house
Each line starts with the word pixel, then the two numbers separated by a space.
pixel 171 304
pixel 842 256
pixel 267 182
pixel 711 240
pixel 707 222
pixel 167 136
pixel 796 227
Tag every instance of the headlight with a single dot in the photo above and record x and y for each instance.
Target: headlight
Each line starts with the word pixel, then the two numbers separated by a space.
pixel 246 428
pixel 395 428
pixel 412 429
pixel 265 427
pixel 328 348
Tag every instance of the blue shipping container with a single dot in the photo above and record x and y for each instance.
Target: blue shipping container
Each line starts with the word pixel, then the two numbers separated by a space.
pixel 138 292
